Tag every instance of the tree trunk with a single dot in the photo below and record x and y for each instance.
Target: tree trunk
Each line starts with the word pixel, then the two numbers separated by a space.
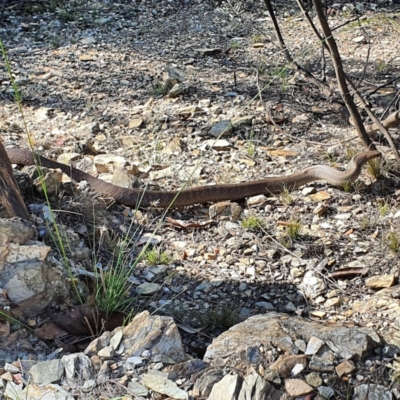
pixel 11 202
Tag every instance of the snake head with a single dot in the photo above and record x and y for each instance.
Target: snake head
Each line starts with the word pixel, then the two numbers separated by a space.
pixel 366 156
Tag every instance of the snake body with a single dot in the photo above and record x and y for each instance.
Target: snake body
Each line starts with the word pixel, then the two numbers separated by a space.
pixel 202 194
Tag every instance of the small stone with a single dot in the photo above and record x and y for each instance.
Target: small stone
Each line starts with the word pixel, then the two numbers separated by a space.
pixel 320 364
pixel 256 200
pixel 159 382
pixel 296 272
pixel 47 372
pixel 301 345
pixel 137 389
pixel 177 89
pixel 116 339
pixel 266 305
pixel 226 208
pixel 308 190
pixel 318 314
pixel 372 391
pixel 135 123
pixel 87 57
pixel 344 368
pixel 284 365
pixel 66 158
pixel 148 288
pixel 313 379
pixel 380 281
pixel 326 392
pixel 333 302
pixel 314 344
pixel 221 129
pixel 11 368
pixel 106 353
pixel 360 39
pixel 297 387
pixel 136 361
pixel 218 145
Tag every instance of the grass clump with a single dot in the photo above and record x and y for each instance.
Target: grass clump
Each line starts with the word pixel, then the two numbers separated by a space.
pixel 253 222
pixel 350 153
pixel 291 233
pixel 348 186
pixel 375 168
pixel 251 145
pixel 256 39
pixel 384 208
pixel 236 44
pixel 366 223
pixel 286 197
pixel 222 318
pixel 157 89
pixel 393 242
pixel 155 256
pixel 330 157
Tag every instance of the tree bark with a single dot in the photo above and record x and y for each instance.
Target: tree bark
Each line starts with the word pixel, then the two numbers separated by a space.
pixel 11 202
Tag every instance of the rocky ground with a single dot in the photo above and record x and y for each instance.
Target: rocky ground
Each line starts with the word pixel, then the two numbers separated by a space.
pixel 139 94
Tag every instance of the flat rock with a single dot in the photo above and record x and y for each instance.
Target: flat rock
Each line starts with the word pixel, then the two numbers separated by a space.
pixel 47 372
pixel 159 382
pixel 344 368
pixel 256 387
pixel 380 281
pixel 108 163
pixel 297 387
pixel 204 385
pixel 158 333
pixel 372 392
pixel 221 129
pixel 282 330
pixel 227 388
pixel 285 364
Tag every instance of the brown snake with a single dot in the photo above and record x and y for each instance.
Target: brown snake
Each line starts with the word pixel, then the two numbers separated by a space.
pixel 202 194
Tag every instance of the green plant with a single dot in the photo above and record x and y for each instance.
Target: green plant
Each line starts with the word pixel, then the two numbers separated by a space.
pixel 253 222
pixel 55 42
pixel 281 74
pixel 286 197
pixel 235 44
pixel 222 317
pixel 331 157
pixel 291 233
pixel 381 66
pixel 34 9
pixel 350 153
pixel 347 186
pixel 375 168
pixel 155 256
pixel 366 222
pixel 251 145
pixel 66 16
pixel 384 208
pixel 293 229
pixel 393 242
pixel 256 39
pixel 158 88
pixel 53 5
